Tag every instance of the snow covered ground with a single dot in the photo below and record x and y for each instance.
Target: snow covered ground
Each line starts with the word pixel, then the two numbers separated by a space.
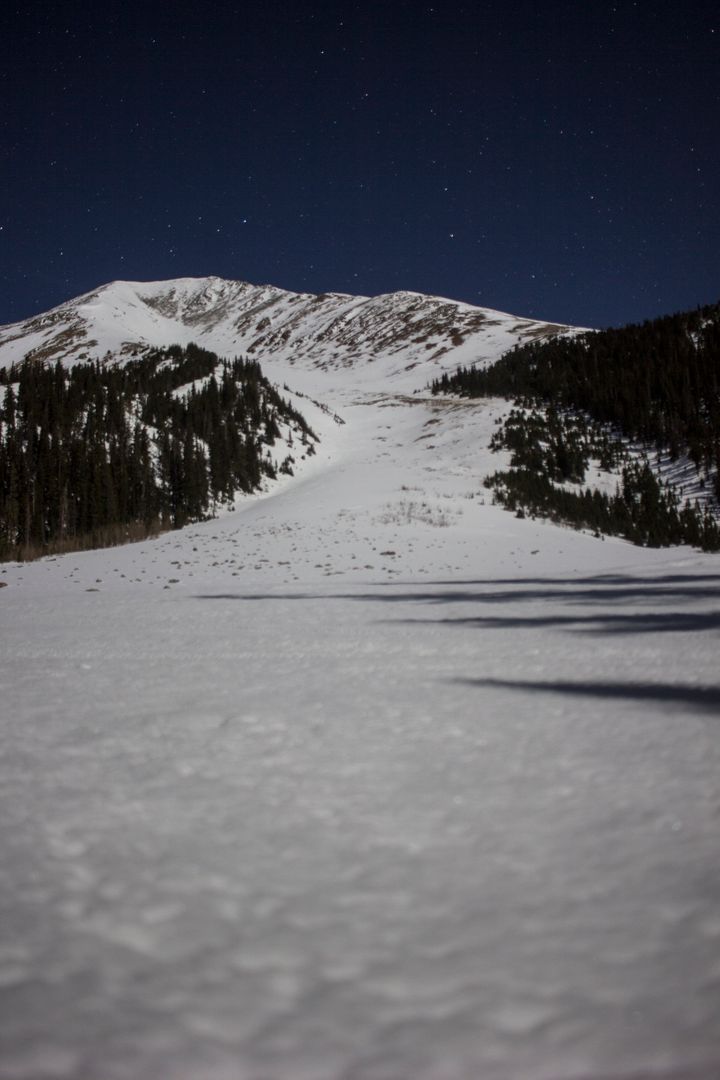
pixel 367 780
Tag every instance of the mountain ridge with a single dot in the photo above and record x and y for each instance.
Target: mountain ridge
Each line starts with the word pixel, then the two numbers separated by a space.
pixel 404 329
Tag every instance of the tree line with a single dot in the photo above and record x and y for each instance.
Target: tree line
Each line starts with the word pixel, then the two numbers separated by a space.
pixel 585 396
pixel 550 453
pixel 100 453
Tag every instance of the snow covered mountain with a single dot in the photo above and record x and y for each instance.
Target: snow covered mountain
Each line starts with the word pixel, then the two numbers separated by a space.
pixel 366 777
pixel 401 331
pixel 325 353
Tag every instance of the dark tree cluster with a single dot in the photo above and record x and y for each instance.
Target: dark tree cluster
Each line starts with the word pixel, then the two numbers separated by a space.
pixel 100 453
pixel 642 510
pixel 549 448
pixel 657 383
pixel 558 444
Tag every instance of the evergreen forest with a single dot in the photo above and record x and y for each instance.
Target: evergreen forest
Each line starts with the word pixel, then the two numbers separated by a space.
pixel 101 453
pixel 584 399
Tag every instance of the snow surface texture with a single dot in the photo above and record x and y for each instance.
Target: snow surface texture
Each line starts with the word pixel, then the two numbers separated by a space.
pixel 366 780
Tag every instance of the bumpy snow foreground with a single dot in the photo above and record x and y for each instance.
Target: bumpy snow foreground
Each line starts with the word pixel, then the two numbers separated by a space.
pixel 365 780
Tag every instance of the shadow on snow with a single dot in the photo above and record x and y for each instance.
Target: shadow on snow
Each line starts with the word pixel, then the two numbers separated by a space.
pixel 542 600
pixel 698 697
pixel 536 598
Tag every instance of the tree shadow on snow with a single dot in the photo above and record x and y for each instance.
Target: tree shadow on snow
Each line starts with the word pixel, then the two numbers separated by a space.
pixel 544 600
pixel 591 623
pixel 696 697
pixel 648 608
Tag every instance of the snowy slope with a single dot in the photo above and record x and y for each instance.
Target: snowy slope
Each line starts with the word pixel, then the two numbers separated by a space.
pixel 367 779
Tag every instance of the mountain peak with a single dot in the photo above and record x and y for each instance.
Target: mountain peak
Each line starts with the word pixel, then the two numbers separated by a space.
pixel 407 336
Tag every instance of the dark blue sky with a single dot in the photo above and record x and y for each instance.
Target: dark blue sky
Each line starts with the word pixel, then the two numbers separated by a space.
pixel 558 159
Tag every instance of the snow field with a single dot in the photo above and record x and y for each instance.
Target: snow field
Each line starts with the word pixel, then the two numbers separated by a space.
pixel 392 830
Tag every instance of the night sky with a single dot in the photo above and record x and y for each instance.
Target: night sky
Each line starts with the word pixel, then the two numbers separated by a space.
pixel 557 159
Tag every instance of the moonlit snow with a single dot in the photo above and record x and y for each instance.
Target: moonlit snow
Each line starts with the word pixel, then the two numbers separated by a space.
pixel 364 780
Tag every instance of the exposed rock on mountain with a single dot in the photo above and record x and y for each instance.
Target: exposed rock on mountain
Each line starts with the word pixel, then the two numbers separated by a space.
pixel 403 330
